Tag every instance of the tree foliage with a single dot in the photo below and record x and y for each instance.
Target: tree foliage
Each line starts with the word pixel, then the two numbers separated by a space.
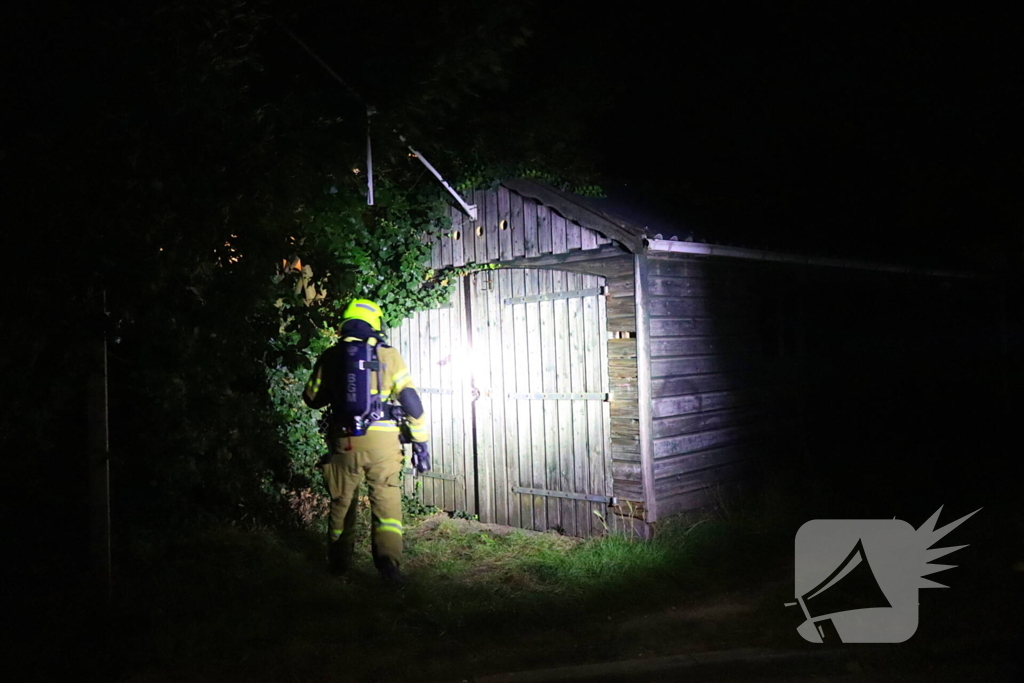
pixel 192 162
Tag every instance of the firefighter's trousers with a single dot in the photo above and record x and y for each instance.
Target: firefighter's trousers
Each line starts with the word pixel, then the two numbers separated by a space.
pixel 379 458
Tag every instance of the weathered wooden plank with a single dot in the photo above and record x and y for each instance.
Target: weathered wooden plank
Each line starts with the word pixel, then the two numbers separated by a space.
pixel 623 326
pixel 481 234
pixel 522 384
pixel 573 237
pixel 622 377
pixel 719 400
pixel 588 239
pixel 622 286
pixel 469 228
pixel 631 490
pixel 509 363
pixel 703 346
pixel 504 223
pixel 564 482
pixel 491 226
pixel 446 247
pixel 706 307
pixel 469 427
pixel 458 459
pixel 622 380
pixel 605 261
pixel 627 471
pixel 544 229
pixel 438 329
pixel 702 384
pixel 698 266
pixel 699 422
pixel 629 452
pixel 605 413
pixel 446 462
pixel 622 363
pixel 624 408
pixel 701 460
pixel 435 253
pixel 577 368
pixel 624 425
pixel 480 364
pixel 453 402
pixel 620 306
pixel 723 325
pixel 672 366
pixel 621 348
pixel 573 210
pixel 415 360
pixel 530 243
pixel 687 443
pixel 594 452
pixel 458 244
pixel 558 233
pixel 643 360
pixel 538 431
pixel 496 385
pixel 550 383
pixel 516 225
pixel 696 481
pixel 602 240
pixel 705 287
pixel 428 348
pixel 691 500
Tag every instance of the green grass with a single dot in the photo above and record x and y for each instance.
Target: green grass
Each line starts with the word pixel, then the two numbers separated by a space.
pixel 233 603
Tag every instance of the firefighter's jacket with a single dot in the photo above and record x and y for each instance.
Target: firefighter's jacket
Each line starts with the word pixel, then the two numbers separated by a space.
pixel 396 384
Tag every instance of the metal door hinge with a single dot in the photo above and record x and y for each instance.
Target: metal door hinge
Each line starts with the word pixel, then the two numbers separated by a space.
pixel 435 475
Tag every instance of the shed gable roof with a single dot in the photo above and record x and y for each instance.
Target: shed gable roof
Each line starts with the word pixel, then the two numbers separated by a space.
pixel 571 207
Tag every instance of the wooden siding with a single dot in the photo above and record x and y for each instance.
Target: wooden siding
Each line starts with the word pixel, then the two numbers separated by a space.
pixel 707 384
pixel 489 343
pixel 508 226
pixel 430 343
pixel 622 373
pixel 532 347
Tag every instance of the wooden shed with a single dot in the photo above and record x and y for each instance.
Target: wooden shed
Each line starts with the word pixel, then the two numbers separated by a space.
pixel 601 378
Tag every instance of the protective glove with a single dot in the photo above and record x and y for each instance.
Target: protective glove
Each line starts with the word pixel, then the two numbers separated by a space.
pixel 420 457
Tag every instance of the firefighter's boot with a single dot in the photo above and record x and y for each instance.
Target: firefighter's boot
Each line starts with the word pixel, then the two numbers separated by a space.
pixel 391 574
pixel 339 557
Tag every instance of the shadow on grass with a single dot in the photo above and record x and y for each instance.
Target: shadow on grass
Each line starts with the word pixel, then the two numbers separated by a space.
pixel 256 604
pixel 231 603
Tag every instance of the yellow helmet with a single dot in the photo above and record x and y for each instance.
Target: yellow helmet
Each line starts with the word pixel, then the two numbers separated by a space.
pixel 363 309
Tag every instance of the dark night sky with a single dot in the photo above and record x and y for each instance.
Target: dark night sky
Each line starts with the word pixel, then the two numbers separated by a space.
pixel 821 127
pixel 818 127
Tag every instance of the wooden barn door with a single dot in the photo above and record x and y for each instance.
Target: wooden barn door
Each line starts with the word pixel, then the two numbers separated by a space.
pixel 433 344
pixel 539 373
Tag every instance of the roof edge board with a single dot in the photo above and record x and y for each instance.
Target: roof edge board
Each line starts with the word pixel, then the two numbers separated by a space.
pixel 677 247
pixel 630 236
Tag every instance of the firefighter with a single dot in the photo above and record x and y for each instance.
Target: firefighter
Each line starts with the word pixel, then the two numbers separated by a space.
pixel 377 454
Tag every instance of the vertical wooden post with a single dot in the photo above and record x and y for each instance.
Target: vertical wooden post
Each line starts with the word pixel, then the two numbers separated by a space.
pixel 643 385
pixel 99 459
pixel 472 465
